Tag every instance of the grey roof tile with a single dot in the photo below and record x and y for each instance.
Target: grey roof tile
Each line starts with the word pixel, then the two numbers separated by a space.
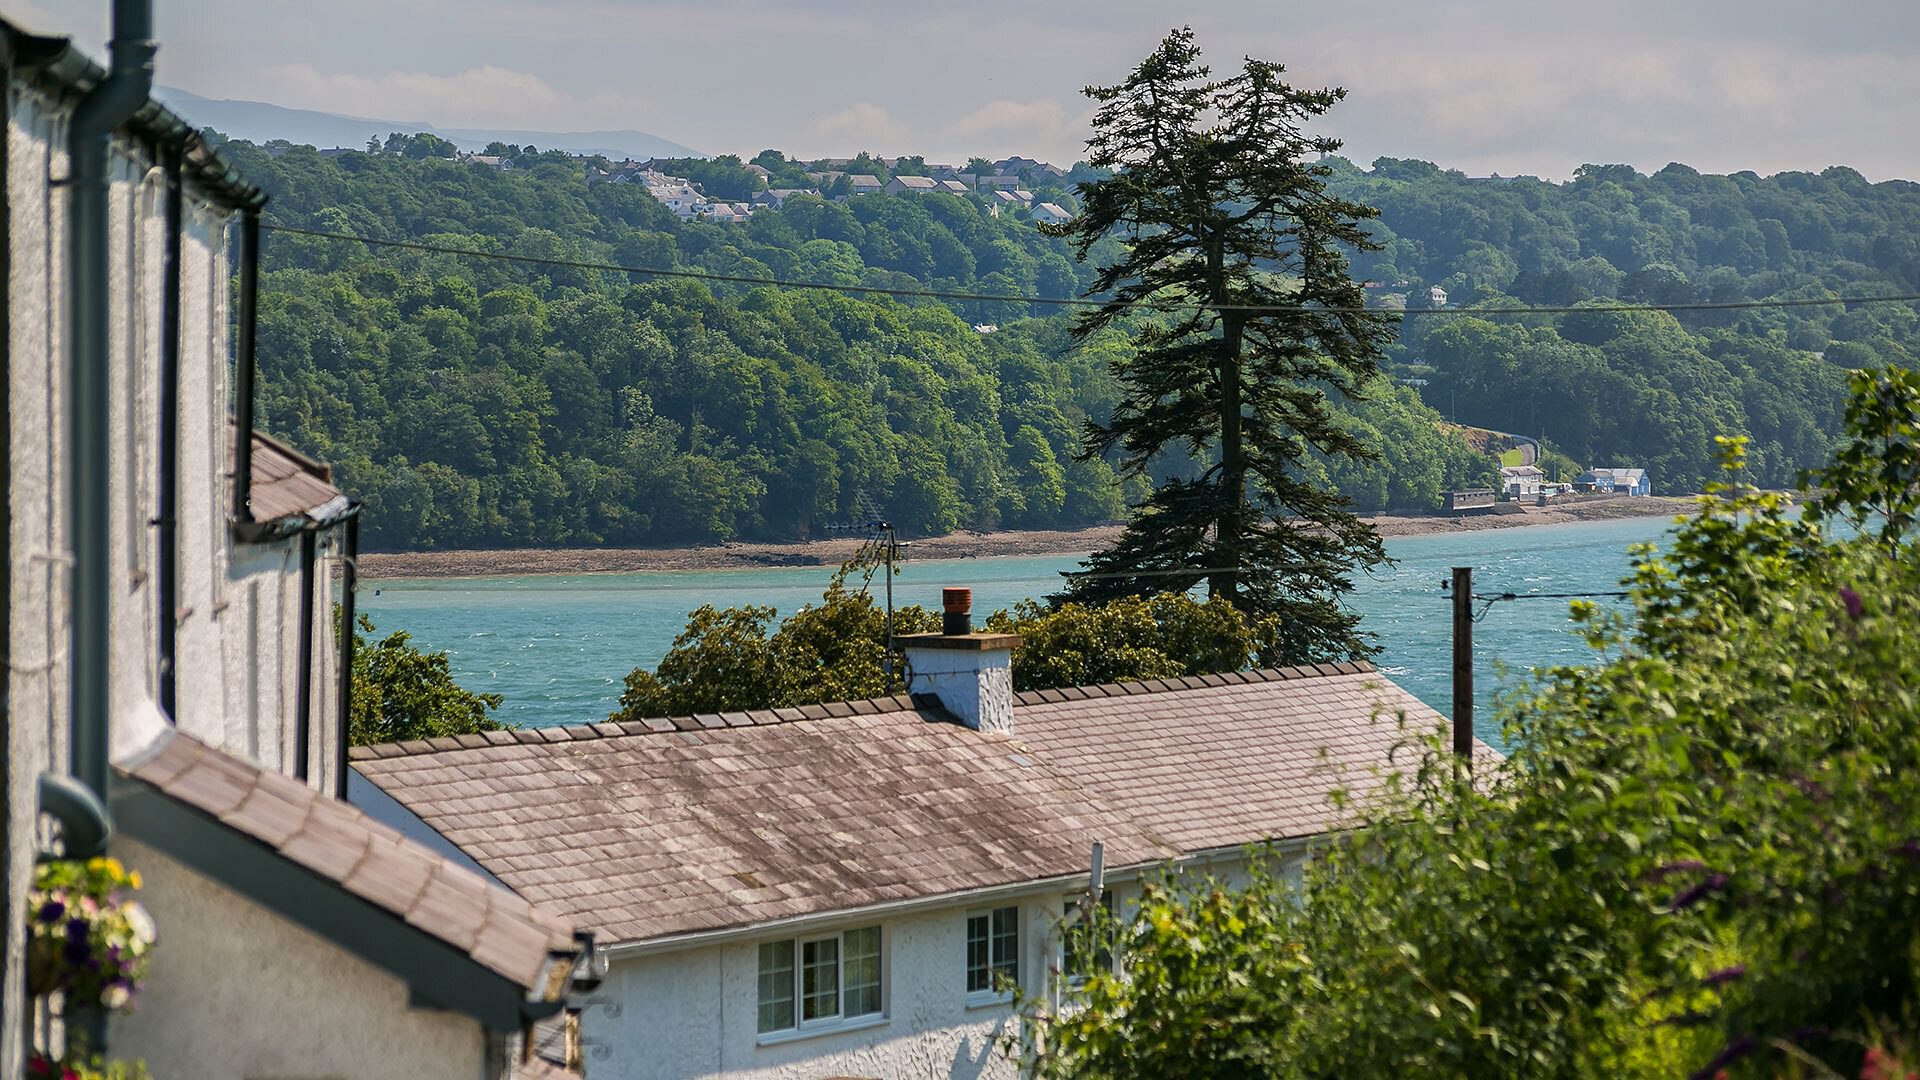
pixel 698 823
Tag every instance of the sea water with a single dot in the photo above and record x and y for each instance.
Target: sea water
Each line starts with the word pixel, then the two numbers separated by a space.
pixel 557 647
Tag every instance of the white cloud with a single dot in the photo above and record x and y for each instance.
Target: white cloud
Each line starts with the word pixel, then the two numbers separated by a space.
pixel 864 126
pixel 485 96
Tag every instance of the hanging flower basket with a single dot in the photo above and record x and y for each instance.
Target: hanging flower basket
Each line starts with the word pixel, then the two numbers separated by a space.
pixel 87 939
pixel 41 1067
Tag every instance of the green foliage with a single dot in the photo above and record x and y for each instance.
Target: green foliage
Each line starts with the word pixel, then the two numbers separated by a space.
pixel 1703 853
pixel 1637 389
pixel 725 660
pixel 1873 483
pixel 835 650
pixel 474 403
pixel 400 692
pixel 1229 211
pixel 1135 637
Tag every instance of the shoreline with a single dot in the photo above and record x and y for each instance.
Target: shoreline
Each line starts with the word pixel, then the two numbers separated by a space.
pixel 527 562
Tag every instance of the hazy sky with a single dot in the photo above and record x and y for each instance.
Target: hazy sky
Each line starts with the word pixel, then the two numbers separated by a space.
pixel 1513 86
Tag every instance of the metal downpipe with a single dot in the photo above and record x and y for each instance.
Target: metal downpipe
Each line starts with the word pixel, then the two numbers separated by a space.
pixel 88 437
pixel 89 367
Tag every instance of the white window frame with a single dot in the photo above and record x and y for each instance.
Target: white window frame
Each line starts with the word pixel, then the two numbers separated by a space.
pixel 991 995
pixel 804 1028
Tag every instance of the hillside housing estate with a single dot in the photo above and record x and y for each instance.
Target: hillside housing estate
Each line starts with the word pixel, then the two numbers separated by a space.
pixel 1003 191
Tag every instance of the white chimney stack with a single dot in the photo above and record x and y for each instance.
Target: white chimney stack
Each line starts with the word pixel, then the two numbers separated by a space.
pixel 971 674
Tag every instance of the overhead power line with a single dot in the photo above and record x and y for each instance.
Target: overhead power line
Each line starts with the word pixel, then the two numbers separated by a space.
pixel 1060 301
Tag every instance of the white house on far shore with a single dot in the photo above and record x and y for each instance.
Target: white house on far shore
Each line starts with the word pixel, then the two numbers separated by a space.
pixel 839 889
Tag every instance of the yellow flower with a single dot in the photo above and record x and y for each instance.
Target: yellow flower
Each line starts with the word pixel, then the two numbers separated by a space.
pixel 133 878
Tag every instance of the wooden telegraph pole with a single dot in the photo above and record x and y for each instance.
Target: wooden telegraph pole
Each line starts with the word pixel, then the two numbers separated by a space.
pixel 1463 661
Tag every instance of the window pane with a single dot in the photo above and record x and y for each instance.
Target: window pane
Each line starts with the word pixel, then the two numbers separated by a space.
pixel 1006 945
pixel 820 979
pixel 776 986
pixel 861 972
pixel 979 971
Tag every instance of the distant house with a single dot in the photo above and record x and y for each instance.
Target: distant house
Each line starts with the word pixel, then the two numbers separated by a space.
pixel 724 213
pixel 952 187
pixel 863 184
pixel 1437 296
pixel 758 170
pixel 915 184
pixel 1014 166
pixel 825 178
pixel 1025 196
pixel 1521 481
pixel 1050 214
pixel 1614 481
pixel 673 192
pixel 996 183
pixel 336 151
pixel 777 197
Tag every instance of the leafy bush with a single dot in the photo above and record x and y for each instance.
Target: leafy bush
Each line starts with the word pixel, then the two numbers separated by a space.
pixel 725 659
pixel 1702 855
pixel 400 692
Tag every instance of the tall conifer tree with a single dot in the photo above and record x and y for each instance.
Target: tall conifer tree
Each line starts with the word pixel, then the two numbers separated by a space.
pixel 1217 189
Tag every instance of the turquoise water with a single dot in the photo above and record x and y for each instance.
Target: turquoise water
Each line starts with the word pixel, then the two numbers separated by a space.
pixel 558 647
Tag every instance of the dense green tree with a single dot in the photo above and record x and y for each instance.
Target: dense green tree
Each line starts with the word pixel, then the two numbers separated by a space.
pixel 400 692
pixel 739 658
pixel 472 402
pixel 1700 858
pixel 1214 182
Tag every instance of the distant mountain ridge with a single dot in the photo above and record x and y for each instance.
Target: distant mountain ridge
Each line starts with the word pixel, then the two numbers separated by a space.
pixel 260 122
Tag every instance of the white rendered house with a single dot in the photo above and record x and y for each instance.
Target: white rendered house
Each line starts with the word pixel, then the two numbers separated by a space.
pixel 295 936
pixel 844 889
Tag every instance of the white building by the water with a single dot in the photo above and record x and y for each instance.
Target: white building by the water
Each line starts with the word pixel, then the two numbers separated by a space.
pixel 845 889
pixel 296 937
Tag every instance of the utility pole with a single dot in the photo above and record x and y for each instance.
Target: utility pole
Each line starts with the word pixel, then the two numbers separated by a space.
pixel 893 550
pixel 1463 662
pixel 882 548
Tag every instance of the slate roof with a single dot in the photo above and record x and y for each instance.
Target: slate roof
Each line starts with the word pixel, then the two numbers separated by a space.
pixel 1234 759
pixel 289 487
pixel 922 183
pixel 342 845
pixel 639 830
pixel 668 826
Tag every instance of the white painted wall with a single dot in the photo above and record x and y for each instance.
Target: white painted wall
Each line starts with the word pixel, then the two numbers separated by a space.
pixel 238 612
pixel 693 1012
pixel 237 991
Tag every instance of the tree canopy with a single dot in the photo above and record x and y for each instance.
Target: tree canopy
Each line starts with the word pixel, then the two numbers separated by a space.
pixel 1701 858
pixel 401 692
pixel 475 403
pixel 1230 219
pixel 835 650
